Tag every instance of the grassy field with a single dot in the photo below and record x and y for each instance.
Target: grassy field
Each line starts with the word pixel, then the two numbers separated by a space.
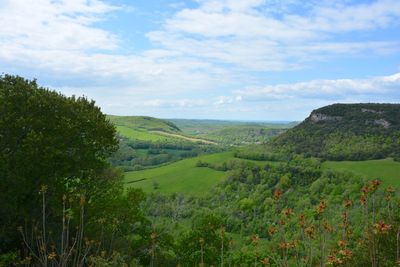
pixel 143 122
pixel 182 176
pixel 386 170
pixel 140 134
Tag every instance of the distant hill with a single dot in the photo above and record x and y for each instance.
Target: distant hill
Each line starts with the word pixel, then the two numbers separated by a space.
pixel 236 133
pixel 144 122
pixel 147 142
pixel 346 132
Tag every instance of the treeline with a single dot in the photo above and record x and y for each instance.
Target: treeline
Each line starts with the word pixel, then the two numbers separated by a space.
pixel 261 153
pixel 135 155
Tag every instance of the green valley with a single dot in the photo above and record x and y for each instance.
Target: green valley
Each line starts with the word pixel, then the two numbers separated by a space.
pixel 85 189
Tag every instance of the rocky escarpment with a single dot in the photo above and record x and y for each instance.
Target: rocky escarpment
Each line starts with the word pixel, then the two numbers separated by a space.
pixel 346 131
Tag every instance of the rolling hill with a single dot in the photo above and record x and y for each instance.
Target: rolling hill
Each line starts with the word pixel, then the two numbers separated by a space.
pixel 147 142
pixel 186 176
pixel 151 129
pixel 346 132
pixel 230 133
pixel 143 122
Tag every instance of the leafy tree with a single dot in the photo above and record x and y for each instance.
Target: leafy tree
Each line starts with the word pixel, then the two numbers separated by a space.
pixel 47 139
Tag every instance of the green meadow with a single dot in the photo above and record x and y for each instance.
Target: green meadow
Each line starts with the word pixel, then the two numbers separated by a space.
pixel 386 170
pixel 182 176
pixel 143 135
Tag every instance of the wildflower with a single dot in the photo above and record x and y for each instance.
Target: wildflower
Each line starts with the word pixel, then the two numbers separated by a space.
pixel 288 212
pixel 82 200
pixel 375 184
pixel 302 220
pixel 282 222
pixel 333 260
pixel 347 203
pixel 345 220
pixel 52 256
pixel 365 190
pixel 310 231
pixel 153 235
pixel 255 239
pixel 363 200
pixel 381 227
pixel 277 194
pixel 328 227
pixel 201 241
pixel 321 207
pixel 341 243
pixel 222 232
pixel 265 261
pixel 43 189
pixel 272 230
pixel 346 253
pixel 27 260
pixel 287 245
pixel 390 189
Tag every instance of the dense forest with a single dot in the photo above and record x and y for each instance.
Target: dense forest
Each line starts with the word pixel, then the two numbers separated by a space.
pixel 64 204
pixel 346 132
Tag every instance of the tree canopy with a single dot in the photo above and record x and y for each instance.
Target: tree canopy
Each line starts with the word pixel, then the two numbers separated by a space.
pixel 48 139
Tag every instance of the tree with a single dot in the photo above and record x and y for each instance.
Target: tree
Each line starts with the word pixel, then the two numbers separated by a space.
pixel 47 139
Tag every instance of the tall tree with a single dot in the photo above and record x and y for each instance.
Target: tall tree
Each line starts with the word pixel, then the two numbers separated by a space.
pixel 48 139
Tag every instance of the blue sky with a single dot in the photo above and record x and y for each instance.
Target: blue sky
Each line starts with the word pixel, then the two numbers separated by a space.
pixel 214 59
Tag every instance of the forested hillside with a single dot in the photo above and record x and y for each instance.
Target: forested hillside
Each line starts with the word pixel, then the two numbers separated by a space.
pixel 346 132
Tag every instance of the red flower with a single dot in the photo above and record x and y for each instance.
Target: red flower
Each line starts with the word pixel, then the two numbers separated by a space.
pixel 321 207
pixel 363 200
pixel 255 239
pixel 288 212
pixel 375 184
pixel 265 261
pixel 277 194
pixel 365 190
pixel 347 203
pixel 272 230
pixel 381 227
pixel 302 220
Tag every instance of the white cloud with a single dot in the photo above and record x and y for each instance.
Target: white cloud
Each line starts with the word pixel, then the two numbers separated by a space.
pixel 248 34
pixel 176 103
pixel 60 26
pixel 376 88
pixel 210 48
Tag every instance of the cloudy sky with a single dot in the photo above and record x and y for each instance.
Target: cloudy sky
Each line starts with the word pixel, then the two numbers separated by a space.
pixel 215 59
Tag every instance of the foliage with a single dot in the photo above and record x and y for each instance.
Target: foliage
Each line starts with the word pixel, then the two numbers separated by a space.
pixel 46 138
pixel 346 132
pixel 293 214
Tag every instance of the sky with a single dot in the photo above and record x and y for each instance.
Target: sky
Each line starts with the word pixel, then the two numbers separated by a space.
pixel 270 60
